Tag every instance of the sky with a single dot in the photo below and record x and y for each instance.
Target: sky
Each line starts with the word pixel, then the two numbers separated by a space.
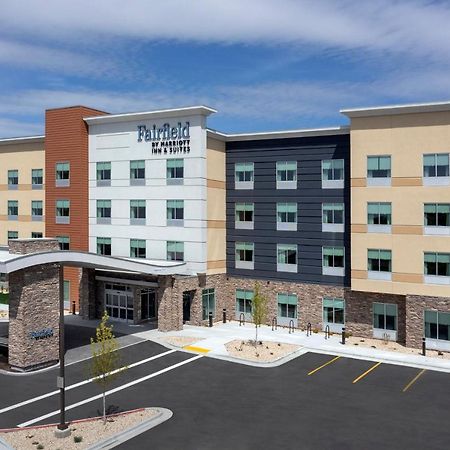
pixel 263 64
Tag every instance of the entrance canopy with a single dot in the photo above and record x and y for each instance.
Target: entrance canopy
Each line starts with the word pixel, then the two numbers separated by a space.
pixel 10 262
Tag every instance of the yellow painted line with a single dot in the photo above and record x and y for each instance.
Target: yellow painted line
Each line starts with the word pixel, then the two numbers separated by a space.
pixel 191 348
pixel 414 380
pixel 324 365
pixel 366 372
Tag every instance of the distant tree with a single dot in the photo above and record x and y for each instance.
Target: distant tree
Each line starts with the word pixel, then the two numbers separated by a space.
pixel 259 310
pixel 105 364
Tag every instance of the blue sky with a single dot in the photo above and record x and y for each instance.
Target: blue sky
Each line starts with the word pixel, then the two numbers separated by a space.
pixel 263 64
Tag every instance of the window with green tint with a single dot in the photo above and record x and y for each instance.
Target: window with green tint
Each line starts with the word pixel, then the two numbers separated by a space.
pixel 287 305
pixel 437 325
pixel 175 251
pixel 379 260
pixel 104 208
pixel 244 300
pixel 379 213
pixel 37 208
pixel 62 208
pixel 137 209
pixel 208 303
pixel 175 209
pixel 37 177
pixel 244 212
pixel 333 169
pixel 104 170
pixel 287 254
pixel 62 171
pixel 13 208
pixel 436 165
pixel 244 251
pixel 333 310
pixel 385 316
pixel 437 264
pixel 36 235
pixel 243 172
pixel 333 213
pixel 13 235
pixel 286 170
pixel 13 177
pixel 67 291
pixel 137 169
pixel 64 242
pixel 175 168
pixel 138 248
pixel 437 214
pixel 287 212
pixel 104 246
pixel 378 167
pixel 333 256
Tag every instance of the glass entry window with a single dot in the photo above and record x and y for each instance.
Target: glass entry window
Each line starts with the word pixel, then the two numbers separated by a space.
pixel 119 302
pixel 208 303
pixel 244 300
pixel 148 304
pixel 385 321
pixel 333 314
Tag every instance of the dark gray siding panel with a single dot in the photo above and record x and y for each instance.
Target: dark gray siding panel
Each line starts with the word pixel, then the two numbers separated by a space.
pixel 309 196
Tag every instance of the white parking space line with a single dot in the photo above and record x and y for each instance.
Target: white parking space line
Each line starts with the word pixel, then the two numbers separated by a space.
pixel 112 391
pixel 81 383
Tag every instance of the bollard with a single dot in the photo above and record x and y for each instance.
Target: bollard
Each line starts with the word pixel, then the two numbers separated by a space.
pixel 210 320
pixel 424 347
pixel 73 307
pixel 343 336
pixel 308 329
pixel 224 315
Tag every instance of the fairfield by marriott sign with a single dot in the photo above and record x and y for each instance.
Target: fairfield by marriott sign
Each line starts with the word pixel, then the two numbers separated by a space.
pixel 166 139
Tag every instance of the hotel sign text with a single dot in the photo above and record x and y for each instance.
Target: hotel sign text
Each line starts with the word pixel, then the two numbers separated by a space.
pixel 166 139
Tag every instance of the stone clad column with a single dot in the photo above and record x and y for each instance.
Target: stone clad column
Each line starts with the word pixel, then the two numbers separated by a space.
pixel 170 308
pixel 33 309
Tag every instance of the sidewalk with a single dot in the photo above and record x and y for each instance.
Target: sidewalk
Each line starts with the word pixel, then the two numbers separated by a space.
pixel 214 339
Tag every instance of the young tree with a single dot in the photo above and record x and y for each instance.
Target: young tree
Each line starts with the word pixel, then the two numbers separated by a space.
pixel 259 310
pixel 105 364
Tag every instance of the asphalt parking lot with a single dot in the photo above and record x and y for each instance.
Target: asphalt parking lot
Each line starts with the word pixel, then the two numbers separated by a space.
pixel 314 401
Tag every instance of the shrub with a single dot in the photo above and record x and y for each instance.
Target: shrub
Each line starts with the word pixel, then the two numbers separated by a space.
pixel 40 447
pixel 77 439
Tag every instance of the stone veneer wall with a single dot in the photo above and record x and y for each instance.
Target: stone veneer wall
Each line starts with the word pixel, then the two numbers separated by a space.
pixel 88 297
pixel 359 312
pixel 415 308
pixel 26 246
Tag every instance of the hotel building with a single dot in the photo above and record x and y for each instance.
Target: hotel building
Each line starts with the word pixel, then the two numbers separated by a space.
pixel 339 227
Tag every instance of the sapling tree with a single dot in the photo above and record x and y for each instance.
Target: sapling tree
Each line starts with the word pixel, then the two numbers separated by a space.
pixel 259 310
pixel 105 365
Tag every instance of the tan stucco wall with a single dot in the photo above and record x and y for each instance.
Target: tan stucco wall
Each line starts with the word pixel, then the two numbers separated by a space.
pixel 405 138
pixel 24 157
pixel 216 206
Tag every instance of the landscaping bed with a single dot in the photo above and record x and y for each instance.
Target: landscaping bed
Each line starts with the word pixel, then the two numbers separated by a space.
pixel 264 351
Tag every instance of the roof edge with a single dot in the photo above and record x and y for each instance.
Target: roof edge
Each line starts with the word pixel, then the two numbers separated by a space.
pixel 22 140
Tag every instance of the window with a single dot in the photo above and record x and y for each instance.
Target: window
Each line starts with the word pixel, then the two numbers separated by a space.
pixel 62 211
pixel 244 216
pixel 137 172
pixel 379 217
pixel 286 258
pixel 378 171
pixel 175 251
pixel 333 174
pixel 13 210
pixel 287 308
pixel 62 174
pixel 104 173
pixel 385 316
pixel 333 312
pixel 333 261
pixel 244 300
pixel 103 211
pixel 104 246
pixel 437 325
pixel 437 267
pixel 13 179
pixel 37 178
pixel 244 255
pixel 243 175
pixel 36 235
pixel 436 218
pixel 64 242
pixel 66 294
pixel 379 264
pixel 286 174
pixel 36 210
pixel 208 303
pixel 137 212
pixel 13 235
pixel 175 171
pixel 333 217
pixel 137 248
pixel 287 216
pixel 436 169
pixel 175 213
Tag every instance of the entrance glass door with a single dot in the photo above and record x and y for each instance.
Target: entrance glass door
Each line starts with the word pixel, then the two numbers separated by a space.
pixel 119 302
pixel 148 304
